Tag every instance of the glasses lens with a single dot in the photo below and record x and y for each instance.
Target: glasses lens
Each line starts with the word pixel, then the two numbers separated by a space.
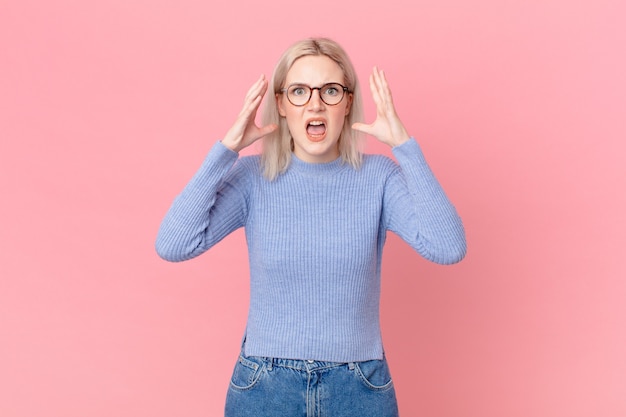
pixel 298 95
pixel 331 93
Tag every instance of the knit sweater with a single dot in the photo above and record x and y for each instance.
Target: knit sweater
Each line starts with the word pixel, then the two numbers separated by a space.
pixel 315 239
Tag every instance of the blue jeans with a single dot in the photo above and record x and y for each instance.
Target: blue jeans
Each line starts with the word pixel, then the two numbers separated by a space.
pixel 268 387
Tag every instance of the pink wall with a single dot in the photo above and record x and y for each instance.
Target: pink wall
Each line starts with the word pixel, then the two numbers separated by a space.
pixel 107 108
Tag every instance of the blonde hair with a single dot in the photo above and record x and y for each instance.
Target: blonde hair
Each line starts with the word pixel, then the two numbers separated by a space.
pixel 277 146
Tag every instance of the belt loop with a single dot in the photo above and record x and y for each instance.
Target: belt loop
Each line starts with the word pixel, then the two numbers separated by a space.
pixel 351 366
pixel 270 363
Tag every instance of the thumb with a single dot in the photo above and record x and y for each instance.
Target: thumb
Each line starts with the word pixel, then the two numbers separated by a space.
pixel 266 130
pixel 362 127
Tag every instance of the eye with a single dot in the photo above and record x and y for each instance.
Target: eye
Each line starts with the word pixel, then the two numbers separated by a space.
pixel 331 90
pixel 298 91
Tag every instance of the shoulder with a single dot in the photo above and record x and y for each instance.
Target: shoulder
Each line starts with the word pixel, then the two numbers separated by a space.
pixel 246 166
pixel 251 164
pixel 378 165
pixel 245 173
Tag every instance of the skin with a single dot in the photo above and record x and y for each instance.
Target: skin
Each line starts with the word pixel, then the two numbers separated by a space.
pixel 387 127
pixel 315 71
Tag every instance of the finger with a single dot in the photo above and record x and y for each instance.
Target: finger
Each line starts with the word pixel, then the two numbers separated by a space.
pixel 248 112
pixel 260 132
pixel 255 88
pixel 379 99
pixel 365 128
pixel 382 88
pixel 384 91
pixel 260 91
pixel 251 89
pixel 264 86
pixel 266 130
pixel 384 85
pixel 249 107
pixel 376 79
pixel 374 89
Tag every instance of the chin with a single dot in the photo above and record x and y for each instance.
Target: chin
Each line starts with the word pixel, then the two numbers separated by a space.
pixel 317 151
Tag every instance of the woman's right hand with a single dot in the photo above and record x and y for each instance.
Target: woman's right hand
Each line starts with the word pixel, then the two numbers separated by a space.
pixel 245 131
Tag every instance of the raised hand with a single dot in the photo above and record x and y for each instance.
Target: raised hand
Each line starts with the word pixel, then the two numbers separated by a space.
pixel 244 131
pixel 387 127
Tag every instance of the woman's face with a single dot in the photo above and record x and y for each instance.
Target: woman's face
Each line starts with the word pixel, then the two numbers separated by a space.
pixel 316 126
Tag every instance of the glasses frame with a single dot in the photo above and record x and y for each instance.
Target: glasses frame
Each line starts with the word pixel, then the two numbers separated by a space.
pixel 344 90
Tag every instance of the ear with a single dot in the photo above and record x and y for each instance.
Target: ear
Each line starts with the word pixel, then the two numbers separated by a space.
pixel 349 103
pixel 280 105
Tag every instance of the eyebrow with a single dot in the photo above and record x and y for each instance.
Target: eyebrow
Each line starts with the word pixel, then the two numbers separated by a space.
pixel 308 85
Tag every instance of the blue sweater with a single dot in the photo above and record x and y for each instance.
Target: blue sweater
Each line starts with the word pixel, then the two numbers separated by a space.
pixel 315 239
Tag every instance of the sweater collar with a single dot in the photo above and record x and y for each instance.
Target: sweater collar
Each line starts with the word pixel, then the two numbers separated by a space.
pixel 322 168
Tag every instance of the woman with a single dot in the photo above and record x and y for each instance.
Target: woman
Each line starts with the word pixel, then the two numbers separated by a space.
pixel 316 212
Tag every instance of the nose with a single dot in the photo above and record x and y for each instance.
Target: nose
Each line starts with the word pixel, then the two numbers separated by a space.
pixel 316 103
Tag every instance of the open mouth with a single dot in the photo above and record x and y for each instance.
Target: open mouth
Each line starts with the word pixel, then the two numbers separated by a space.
pixel 316 130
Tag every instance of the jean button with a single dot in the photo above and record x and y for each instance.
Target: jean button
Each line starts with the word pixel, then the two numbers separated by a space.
pixel 310 361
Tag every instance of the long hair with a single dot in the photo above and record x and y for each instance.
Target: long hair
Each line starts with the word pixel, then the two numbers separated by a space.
pixel 277 146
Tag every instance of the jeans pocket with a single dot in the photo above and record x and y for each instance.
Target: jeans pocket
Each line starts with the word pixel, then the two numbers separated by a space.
pixel 247 372
pixel 374 374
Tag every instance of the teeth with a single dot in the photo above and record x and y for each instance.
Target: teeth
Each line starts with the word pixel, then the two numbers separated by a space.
pixel 316 123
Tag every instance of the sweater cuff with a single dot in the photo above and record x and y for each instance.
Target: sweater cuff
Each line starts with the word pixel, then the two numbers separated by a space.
pixel 220 156
pixel 223 149
pixel 216 164
pixel 409 150
pixel 416 168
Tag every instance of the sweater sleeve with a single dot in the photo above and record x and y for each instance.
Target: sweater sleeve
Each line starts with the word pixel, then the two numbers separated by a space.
pixel 212 205
pixel 416 208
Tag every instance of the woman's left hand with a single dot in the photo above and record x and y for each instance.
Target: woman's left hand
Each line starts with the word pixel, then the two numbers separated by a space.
pixel 387 127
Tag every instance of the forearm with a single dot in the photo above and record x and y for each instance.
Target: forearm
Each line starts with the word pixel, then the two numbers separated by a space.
pixel 437 232
pixel 185 231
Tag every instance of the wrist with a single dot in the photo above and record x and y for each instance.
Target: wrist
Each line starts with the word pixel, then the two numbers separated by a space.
pixel 397 141
pixel 232 145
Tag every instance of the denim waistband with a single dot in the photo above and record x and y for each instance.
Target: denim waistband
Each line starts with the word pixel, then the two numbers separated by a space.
pixel 297 364
pixel 305 365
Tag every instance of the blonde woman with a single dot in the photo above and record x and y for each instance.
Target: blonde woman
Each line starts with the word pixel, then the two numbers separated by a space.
pixel 316 212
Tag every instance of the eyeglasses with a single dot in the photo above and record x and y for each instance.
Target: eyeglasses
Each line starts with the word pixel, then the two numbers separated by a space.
pixel 300 94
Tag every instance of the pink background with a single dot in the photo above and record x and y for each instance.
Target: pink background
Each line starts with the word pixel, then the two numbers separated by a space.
pixel 107 108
